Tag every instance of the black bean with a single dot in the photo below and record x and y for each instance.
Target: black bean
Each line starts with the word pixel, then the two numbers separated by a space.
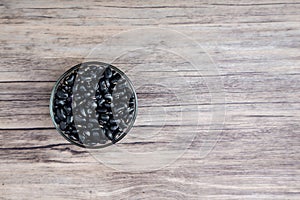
pixel 69 119
pixel 109 135
pixel 104 117
pixel 74 137
pixel 60 102
pixel 107 83
pixel 101 122
pixel 131 110
pixel 100 102
pixel 115 78
pixel 131 104
pixel 132 99
pixel 108 105
pixel 118 131
pixel 70 79
pixel 113 127
pixel 63 126
pixel 108 73
pixel 67 89
pixel 75 132
pixel 103 86
pixel 98 95
pixel 56 119
pixel 60 114
pixel 108 97
pixel 101 110
pixel 55 107
pixel 114 121
pixel 68 110
pixel 110 113
pixel 69 99
pixel 61 94
pixel 70 127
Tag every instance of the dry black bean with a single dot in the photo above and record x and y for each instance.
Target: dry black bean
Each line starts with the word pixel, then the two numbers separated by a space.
pixel 114 121
pixel 69 119
pixel 57 120
pixel 60 114
pixel 70 80
pixel 110 135
pixel 113 127
pixel 70 127
pixel 107 83
pixel 115 78
pixel 108 73
pixel 68 109
pixel 101 110
pixel 104 117
pixel 108 97
pixel 63 125
pixel 60 102
pixel 100 102
pixel 109 105
pixel 131 104
pixel 61 94
pixel 103 86
pixel 131 110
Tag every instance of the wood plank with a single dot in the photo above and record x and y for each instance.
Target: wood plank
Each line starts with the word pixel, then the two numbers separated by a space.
pixel 259 166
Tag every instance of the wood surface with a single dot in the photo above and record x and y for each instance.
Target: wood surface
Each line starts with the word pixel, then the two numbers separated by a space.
pixel 254 44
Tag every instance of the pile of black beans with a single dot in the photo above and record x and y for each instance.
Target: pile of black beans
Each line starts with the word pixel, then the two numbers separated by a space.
pixel 62 107
pixel 94 104
pixel 115 103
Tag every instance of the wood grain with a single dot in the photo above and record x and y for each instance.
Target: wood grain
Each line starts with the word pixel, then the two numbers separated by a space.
pixel 255 45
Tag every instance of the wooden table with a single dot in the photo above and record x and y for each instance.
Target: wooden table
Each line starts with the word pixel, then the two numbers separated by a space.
pixel 254 44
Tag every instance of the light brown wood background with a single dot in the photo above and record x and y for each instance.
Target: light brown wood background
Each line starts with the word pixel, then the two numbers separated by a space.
pixel 255 45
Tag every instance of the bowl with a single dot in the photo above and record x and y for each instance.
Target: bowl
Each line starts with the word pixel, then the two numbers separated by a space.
pixel 93 105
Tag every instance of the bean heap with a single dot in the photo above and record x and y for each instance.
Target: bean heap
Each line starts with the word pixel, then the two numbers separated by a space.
pixel 94 105
pixel 62 108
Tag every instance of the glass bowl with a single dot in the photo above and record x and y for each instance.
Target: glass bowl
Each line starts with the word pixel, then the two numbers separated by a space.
pixel 93 105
